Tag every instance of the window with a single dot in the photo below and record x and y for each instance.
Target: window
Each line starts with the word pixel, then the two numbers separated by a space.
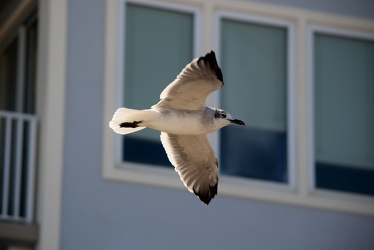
pixel 343 112
pixel 256 55
pixel 159 41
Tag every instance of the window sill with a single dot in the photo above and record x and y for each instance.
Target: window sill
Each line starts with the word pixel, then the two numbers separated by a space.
pixel 246 189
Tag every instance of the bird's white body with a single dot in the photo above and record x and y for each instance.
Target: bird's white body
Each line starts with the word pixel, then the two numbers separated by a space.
pixel 184 121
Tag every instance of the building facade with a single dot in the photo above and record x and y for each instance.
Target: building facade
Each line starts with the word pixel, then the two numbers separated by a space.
pixel 300 74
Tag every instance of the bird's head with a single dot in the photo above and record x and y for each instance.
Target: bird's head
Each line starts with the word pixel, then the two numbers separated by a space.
pixel 222 118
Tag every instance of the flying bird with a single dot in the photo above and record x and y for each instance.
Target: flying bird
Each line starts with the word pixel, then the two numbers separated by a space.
pixel 184 120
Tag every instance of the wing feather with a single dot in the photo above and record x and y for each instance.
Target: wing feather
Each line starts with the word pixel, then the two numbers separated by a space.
pixel 193 85
pixel 195 162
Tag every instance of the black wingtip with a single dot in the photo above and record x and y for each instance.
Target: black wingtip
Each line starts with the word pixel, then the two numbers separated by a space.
pixel 210 59
pixel 208 194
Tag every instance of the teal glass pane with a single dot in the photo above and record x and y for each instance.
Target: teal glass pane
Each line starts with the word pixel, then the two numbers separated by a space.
pixel 158 45
pixel 344 113
pixel 254 65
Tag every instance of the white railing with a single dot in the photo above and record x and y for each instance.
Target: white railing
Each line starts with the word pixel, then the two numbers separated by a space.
pixel 17 166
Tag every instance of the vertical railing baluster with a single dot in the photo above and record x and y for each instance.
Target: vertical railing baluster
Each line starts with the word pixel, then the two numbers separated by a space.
pixel 6 173
pixel 18 169
pixel 31 171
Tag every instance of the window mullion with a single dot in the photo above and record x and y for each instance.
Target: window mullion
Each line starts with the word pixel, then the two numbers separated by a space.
pixel 21 69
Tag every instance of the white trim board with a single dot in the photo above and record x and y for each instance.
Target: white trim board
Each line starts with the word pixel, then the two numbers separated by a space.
pixel 51 109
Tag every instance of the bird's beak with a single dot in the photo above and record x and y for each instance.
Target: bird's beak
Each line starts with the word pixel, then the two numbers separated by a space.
pixel 236 121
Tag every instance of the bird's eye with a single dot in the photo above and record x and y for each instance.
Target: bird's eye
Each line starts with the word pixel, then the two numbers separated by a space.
pixel 222 115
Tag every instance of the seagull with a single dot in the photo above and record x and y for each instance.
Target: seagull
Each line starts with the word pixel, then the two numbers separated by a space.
pixel 184 120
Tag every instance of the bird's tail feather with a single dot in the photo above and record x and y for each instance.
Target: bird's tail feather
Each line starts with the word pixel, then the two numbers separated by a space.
pixel 126 121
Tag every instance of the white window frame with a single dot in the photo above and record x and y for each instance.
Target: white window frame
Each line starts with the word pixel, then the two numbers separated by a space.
pixel 130 171
pixel 290 185
pixel 344 33
pixel 298 191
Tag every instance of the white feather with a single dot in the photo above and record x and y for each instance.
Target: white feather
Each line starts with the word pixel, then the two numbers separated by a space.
pixel 126 115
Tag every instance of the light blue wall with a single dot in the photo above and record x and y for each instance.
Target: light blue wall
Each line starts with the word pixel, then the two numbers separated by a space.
pixel 101 215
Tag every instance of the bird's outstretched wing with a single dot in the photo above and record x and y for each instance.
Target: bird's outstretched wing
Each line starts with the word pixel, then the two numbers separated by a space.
pixel 195 162
pixel 193 85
